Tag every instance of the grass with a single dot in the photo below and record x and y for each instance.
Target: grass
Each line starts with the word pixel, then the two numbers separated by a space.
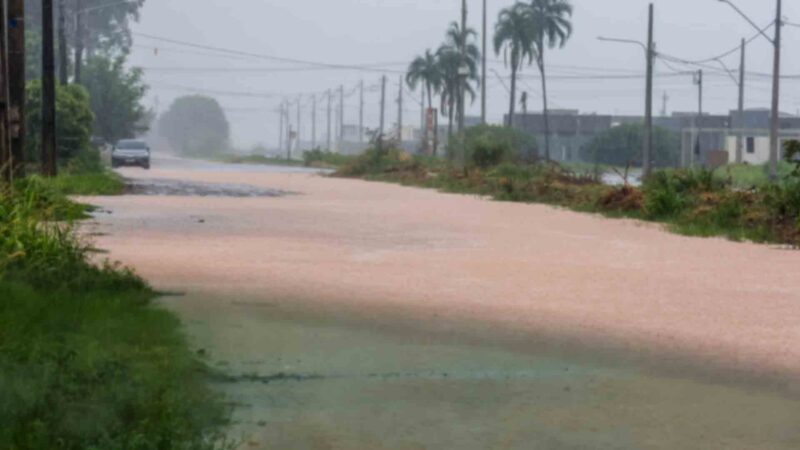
pixel 314 158
pixel 747 176
pixel 86 361
pixel 102 183
pixel 690 202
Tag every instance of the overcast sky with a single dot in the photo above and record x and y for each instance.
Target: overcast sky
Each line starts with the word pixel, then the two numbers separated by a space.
pixel 389 33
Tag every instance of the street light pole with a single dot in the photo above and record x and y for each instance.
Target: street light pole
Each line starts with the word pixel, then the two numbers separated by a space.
pixel 775 120
pixel 650 54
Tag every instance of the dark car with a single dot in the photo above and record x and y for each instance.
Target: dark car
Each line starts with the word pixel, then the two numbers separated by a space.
pixel 131 152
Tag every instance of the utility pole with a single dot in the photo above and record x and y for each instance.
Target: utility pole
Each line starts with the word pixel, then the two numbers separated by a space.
pixel 483 69
pixel 299 112
pixel 648 115
pixel 63 59
pixel 341 117
pixel 314 122
pixel 739 133
pixel 281 127
pixel 16 84
pixel 6 161
pixel 696 151
pixel 79 41
pixel 329 119
pixel 289 141
pixel 400 112
pixel 361 112
pixel 383 108
pixel 664 103
pixel 774 151
pixel 49 163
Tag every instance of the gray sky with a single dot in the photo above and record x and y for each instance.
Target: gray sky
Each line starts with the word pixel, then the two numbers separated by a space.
pixel 389 33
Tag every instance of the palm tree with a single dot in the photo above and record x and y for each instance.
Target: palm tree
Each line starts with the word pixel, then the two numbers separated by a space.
pixel 514 35
pixel 450 60
pixel 552 27
pixel 425 69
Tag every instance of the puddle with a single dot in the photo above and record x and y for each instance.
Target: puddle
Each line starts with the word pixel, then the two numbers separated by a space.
pixel 161 187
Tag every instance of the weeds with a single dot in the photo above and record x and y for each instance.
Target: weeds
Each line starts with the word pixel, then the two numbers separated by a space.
pixel 85 361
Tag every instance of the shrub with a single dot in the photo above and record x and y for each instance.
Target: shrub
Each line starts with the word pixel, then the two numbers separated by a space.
pixel 74 119
pixel 490 145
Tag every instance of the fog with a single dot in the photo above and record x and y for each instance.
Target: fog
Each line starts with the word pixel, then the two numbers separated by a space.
pixel 387 34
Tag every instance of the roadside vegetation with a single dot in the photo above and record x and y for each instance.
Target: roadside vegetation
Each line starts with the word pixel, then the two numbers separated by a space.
pixel 694 202
pixel 86 362
pixel 316 158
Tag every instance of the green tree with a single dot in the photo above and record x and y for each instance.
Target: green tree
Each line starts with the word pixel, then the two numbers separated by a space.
pixel 116 97
pixel 622 145
pixel 74 120
pixel 195 126
pixel 552 27
pixel 449 56
pixel 425 69
pixel 490 145
pixel 514 36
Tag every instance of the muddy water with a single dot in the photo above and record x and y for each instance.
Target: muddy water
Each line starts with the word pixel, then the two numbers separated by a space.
pixel 304 381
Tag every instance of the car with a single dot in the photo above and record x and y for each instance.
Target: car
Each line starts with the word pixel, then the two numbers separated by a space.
pixel 131 152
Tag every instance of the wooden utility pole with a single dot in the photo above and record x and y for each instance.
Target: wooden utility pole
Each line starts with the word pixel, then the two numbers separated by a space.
pixel 329 118
pixel 314 122
pixel 281 126
pixel 299 112
pixel 341 118
pixel 79 41
pixel 16 84
pixel 739 133
pixel 400 111
pixel 361 112
pixel 49 163
pixel 6 161
pixel 383 108
pixel 648 115
pixel 775 124
pixel 63 59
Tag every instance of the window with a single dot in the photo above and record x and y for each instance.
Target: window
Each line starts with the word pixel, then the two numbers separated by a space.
pixel 751 145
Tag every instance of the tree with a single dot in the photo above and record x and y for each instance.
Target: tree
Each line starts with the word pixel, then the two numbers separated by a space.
pixel 116 97
pixel 195 126
pixel 425 69
pixel 449 55
pixel 514 36
pixel 622 145
pixel 552 28
pixel 105 25
pixel 74 120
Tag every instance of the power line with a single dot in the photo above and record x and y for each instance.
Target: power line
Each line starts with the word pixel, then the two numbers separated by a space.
pixel 731 51
pixel 364 68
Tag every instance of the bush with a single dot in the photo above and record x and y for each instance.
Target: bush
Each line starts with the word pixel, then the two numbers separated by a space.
pixel 622 145
pixel 74 119
pixel 322 158
pixel 491 145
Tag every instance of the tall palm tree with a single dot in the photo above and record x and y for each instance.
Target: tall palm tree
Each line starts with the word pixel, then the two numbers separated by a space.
pixel 425 69
pixel 514 35
pixel 450 60
pixel 551 21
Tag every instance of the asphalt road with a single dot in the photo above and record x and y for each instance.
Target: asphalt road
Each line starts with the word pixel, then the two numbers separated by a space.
pixel 355 315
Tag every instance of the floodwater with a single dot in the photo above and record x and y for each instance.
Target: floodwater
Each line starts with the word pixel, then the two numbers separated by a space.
pixel 355 315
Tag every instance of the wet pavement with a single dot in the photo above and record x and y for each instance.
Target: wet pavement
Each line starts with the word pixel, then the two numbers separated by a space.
pixel 363 315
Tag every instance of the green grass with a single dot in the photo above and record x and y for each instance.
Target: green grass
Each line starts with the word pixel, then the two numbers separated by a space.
pixel 86 361
pixel 746 176
pixel 102 183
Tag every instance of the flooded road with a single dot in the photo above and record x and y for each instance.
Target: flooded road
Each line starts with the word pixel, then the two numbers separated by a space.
pixel 354 315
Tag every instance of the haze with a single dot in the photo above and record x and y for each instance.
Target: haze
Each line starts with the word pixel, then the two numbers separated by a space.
pixel 390 33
